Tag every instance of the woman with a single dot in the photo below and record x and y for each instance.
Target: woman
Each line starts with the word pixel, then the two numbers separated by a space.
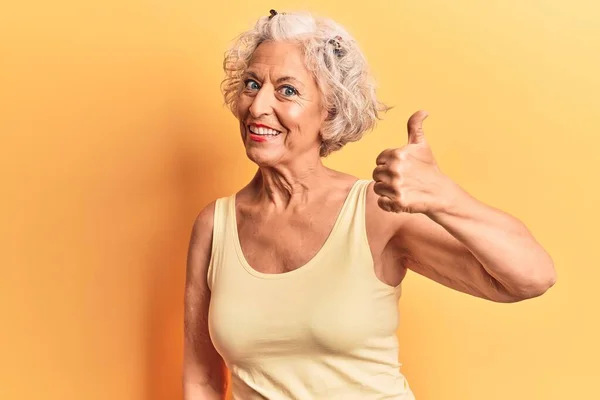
pixel 293 282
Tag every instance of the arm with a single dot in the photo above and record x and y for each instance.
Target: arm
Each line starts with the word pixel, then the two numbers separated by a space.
pixel 476 249
pixel 203 369
pixel 441 232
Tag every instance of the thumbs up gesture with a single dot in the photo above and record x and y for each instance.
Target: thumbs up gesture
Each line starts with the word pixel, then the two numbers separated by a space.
pixel 408 179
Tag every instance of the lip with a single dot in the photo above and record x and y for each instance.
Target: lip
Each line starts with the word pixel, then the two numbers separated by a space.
pixel 263 126
pixel 261 138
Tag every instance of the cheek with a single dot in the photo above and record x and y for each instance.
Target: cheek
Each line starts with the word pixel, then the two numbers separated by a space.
pixel 242 105
pixel 301 117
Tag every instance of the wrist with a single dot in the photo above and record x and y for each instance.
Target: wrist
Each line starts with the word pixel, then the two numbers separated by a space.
pixel 451 199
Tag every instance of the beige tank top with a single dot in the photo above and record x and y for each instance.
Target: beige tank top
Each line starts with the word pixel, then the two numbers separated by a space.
pixel 326 330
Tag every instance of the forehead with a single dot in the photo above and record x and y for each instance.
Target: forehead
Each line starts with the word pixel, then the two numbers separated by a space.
pixel 278 59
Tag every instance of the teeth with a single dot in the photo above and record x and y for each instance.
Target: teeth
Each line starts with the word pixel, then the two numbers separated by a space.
pixel 264 131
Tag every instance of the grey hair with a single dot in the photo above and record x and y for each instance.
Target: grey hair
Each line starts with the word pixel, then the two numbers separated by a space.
pixel 336 62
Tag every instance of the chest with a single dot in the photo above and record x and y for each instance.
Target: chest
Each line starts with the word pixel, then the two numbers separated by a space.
pixel 283 243
pixel 300 316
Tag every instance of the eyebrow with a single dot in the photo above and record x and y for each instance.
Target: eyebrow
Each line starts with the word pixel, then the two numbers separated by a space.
pixel 282 79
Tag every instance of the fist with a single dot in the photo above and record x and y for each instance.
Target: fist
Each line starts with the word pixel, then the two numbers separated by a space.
pixel 408 179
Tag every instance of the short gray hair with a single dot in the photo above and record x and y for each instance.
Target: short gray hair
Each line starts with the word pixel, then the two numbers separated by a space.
pixel 336 62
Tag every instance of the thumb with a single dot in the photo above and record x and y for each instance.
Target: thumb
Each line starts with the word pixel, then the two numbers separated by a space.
pixel 415 127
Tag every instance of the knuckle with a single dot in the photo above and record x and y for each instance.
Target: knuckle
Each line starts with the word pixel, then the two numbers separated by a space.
pixel 397 172
pixel 395 166
pixel 406 199
pixel 397 153
pixel 386 153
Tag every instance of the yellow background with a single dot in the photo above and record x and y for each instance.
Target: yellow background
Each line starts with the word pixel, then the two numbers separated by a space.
pixel 114 137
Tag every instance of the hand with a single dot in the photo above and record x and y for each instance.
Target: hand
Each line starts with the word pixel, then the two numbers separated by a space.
pixel 408 179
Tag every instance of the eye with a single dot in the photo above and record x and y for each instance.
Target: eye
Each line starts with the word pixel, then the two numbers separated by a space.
pixel 288 91
pixel 251 84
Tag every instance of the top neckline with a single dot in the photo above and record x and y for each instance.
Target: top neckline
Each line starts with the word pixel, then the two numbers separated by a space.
pixel 304 267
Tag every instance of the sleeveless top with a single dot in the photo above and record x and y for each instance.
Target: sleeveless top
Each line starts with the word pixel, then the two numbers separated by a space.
pixel 326 330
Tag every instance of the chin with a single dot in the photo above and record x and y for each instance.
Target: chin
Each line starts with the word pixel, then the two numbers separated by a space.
pixel 263 158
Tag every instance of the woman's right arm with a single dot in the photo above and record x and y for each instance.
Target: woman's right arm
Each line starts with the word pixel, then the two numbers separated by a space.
pixel 203 368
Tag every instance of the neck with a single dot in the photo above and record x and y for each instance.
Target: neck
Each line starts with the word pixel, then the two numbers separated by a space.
pixel 284 186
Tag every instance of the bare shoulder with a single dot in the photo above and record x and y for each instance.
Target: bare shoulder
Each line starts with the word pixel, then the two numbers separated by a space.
pixel 203 224
pixel 200 245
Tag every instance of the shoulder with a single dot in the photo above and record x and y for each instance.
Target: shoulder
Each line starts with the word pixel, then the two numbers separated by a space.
pixel 203 224
pixel 200 243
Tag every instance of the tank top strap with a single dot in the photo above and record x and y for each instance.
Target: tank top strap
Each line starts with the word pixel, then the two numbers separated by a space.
pixel 361 200
pixel 352 215
pixel 219 237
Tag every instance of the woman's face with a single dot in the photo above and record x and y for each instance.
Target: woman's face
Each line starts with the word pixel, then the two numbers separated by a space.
pixel 280 107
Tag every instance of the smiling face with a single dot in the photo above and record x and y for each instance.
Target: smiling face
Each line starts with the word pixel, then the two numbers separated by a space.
pixel 280 108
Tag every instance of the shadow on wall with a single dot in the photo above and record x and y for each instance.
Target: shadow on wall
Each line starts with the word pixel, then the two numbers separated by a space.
pixel 193 184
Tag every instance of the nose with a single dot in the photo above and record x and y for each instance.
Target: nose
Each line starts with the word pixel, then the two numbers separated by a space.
pixel 262 103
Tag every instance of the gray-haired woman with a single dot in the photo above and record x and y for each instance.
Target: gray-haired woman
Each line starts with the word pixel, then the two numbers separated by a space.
pixel 293 282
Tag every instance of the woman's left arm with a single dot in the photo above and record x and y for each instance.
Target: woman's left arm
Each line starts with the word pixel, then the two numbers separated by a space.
pixel 476 249
pixel 452 237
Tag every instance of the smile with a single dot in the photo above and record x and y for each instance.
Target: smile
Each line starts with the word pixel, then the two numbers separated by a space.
pixel 263 131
